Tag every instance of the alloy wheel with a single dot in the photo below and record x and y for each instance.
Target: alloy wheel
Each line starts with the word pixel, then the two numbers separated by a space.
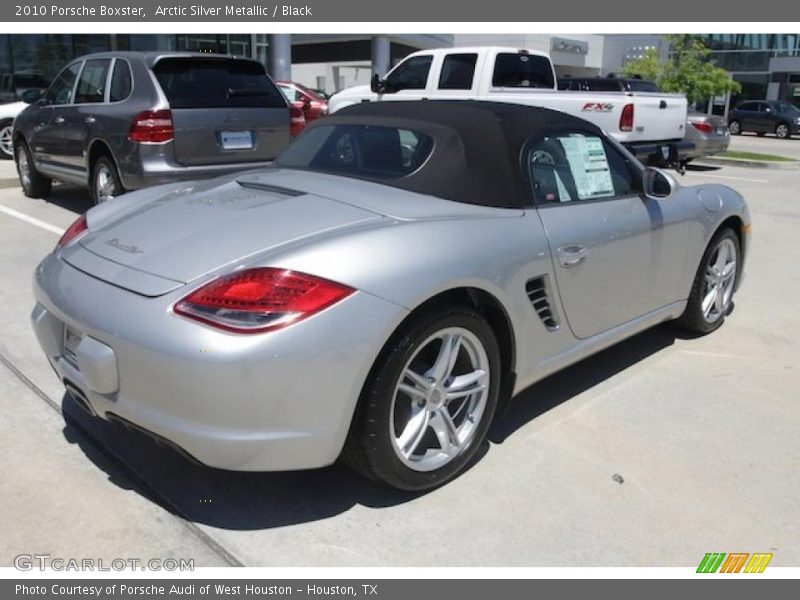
pixel 734 128
pixel 782 131
pixel 720 279
pixel 7 141
pixel 440 399
pixel 24 168
pixel 104 184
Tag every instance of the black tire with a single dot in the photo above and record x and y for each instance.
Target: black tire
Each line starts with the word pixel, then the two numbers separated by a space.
pixel 735 127
pixel 6 139
pixel 105 167
pixel 693 318
pixel 369 448
pixel 783 131
pixel 35 185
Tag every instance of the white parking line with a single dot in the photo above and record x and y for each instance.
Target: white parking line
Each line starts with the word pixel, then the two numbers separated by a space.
pixel 33 221
pixel 727 177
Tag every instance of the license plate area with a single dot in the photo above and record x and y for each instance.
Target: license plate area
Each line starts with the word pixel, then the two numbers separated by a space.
pixel 72 340
pixel 236 140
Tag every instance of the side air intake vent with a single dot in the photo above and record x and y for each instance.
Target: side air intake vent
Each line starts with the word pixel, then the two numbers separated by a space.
pixel 540 300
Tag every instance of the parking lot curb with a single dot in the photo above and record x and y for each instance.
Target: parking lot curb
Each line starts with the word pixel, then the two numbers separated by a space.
pixel 9 182
pixel 758 164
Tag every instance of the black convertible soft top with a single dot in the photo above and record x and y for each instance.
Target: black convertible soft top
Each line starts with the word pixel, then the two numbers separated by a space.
pixel 477 145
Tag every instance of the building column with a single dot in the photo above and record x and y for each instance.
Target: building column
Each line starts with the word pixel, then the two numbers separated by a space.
pixel 280 56
pixel 381 54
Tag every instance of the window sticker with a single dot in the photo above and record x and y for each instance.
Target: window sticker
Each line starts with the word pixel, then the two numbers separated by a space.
pixel 589 166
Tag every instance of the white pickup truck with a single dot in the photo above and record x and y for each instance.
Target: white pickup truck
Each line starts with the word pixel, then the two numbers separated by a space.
pixel 651 125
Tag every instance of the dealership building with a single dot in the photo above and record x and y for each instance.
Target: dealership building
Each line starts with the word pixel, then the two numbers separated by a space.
pixel 766 65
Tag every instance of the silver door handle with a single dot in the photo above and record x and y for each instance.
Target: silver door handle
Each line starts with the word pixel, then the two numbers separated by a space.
pixel 58 120
pixel 89 120
pixel 569 256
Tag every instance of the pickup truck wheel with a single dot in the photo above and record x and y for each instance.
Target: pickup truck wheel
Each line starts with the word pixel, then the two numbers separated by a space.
pixel 735 127
pixel 6 139
pixel 106 183
pixel 782 131
pixel 34 185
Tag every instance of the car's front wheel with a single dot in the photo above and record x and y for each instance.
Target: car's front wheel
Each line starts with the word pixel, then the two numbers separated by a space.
pixel 782 131
pixel 735 127
pixel 428 402
pixel 711 297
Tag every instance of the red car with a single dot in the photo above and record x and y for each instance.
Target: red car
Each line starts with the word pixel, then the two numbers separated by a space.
pixel 313 105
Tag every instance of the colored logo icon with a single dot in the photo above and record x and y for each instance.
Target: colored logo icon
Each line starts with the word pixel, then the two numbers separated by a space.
pixel 735 562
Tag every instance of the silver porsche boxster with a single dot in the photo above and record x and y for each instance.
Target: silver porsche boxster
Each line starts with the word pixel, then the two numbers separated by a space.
pixel 400 269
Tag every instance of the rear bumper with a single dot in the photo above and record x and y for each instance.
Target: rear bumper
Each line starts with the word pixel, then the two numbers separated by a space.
pixel 708 147
pixel 157 168
pixel 266 402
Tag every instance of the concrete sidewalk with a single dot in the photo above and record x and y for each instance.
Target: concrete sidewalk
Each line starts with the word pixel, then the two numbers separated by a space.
pixel 8 174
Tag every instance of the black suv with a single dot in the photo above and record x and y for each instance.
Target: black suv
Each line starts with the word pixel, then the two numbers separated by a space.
pixel 765 116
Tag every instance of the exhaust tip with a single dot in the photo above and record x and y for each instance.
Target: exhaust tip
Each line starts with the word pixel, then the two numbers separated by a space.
pixel 79 398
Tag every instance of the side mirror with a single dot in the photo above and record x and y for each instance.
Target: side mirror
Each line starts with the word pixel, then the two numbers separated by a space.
pixel 377 85
pixel 306 102
pixel 31 96
pixel 658 183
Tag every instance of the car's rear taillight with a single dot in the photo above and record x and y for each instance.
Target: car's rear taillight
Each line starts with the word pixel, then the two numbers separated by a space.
pixel 626 118
pixel 704 127
pixel 78 227
pixel 260 299
pixel 297 120
pixel 152 126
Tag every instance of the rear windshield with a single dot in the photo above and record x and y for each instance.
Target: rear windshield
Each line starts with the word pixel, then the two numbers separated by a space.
pixel 216 83
pixel 372 152
pixel 522 70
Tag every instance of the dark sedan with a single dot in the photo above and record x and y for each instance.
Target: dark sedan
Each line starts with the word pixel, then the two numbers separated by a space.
pixel 765 116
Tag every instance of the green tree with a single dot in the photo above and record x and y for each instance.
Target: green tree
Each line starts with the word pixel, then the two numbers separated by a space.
pixel 688 70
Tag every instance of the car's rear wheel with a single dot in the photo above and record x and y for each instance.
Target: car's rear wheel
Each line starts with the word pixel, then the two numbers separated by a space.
pixel 7 139
pixel 34 184
pixel 428 402
pixel 106 183
pixel 711 298
pixel 782 131
pixel 735 127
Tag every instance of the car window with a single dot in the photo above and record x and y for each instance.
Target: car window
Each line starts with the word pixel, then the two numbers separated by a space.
pixel 92 82
pixel 522 70
pixel 574 166
pixel 216 83
pixel 60 91
pixel 458 71
pixel 359 150
pixel 292 95
pixel 120 81
pixel 411 74
pixel 787 109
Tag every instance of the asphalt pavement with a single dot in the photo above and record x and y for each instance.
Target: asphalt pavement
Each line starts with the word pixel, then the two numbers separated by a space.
pixel 651 453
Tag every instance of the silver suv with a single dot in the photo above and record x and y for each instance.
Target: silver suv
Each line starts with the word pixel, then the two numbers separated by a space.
pixel 118 121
